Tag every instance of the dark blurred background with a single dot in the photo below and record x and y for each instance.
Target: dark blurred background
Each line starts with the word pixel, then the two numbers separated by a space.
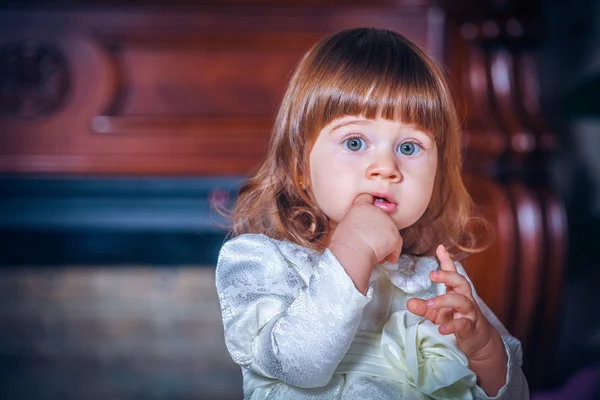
pixel 124 124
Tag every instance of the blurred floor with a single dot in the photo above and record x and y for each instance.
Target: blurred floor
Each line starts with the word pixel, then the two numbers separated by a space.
pixel 113 333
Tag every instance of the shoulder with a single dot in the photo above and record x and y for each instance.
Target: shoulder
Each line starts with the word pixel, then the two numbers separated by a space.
pixel 247 251
pixel 251 245
pixel 247 245
pixel 258 254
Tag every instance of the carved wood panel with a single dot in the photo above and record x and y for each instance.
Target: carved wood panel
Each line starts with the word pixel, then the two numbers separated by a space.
pixel 508 147
pixel 186 93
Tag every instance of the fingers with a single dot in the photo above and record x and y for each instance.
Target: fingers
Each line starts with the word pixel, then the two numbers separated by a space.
pixel 458 326
pixel 448 274
pixel 457 302
pixel 446 262
pixel 436 315
pixel 363 198
pixel 417 306
pixel 453 280
pixel 395 255
pixel 442 308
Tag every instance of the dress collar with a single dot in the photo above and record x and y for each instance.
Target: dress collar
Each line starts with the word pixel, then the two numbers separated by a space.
pixel 409 273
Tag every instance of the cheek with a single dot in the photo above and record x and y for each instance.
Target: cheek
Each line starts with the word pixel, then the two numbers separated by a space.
pixel 426 183
pixel 315 176
pixel 429 189
pixel 431 181
pixel 432 173
pixel 324 187
pixel 331 189
pixel 318 177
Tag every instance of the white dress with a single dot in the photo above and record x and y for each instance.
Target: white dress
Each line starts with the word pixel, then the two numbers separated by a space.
pixel 299 328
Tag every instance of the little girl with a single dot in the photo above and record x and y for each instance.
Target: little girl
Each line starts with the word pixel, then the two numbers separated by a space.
pixel 338 284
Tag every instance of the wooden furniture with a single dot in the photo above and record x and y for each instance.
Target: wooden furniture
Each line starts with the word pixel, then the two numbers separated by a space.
pixel 168 92
pixel 508 146
pixel 190 90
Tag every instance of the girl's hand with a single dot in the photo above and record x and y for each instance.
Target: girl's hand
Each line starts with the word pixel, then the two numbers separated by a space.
pixel 365 236
pixel 457 312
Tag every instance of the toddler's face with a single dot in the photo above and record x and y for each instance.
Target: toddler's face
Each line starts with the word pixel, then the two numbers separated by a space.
pixel 392 161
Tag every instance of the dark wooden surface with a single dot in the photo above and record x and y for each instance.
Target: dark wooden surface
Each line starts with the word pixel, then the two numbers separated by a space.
pixel 163 92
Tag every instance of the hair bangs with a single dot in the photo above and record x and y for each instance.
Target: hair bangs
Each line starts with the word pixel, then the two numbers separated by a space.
pixel 391 83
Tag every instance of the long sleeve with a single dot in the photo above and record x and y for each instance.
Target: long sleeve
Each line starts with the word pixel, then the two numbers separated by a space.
pixel 286 315
pixel 515 387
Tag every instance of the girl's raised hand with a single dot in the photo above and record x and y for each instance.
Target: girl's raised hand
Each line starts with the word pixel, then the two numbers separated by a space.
pixel 365 236
pixel 457 312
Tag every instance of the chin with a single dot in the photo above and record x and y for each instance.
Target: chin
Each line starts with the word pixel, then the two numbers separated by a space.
pixel 404 225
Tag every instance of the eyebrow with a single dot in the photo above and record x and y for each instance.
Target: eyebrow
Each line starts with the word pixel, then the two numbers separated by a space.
pixel 350 122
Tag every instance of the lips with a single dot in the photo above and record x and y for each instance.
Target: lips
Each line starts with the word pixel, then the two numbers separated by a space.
pixel 385 202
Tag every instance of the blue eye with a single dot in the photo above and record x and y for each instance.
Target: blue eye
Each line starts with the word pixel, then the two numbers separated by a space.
pixel 409 148
pixel 354 143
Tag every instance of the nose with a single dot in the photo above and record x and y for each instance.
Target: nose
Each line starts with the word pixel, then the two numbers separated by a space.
pixel 384 167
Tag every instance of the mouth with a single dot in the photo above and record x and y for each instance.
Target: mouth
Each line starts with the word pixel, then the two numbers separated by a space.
pixel 385 202
pixel 381 199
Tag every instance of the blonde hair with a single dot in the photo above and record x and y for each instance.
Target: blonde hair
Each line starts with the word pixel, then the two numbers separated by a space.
pixel 357 72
